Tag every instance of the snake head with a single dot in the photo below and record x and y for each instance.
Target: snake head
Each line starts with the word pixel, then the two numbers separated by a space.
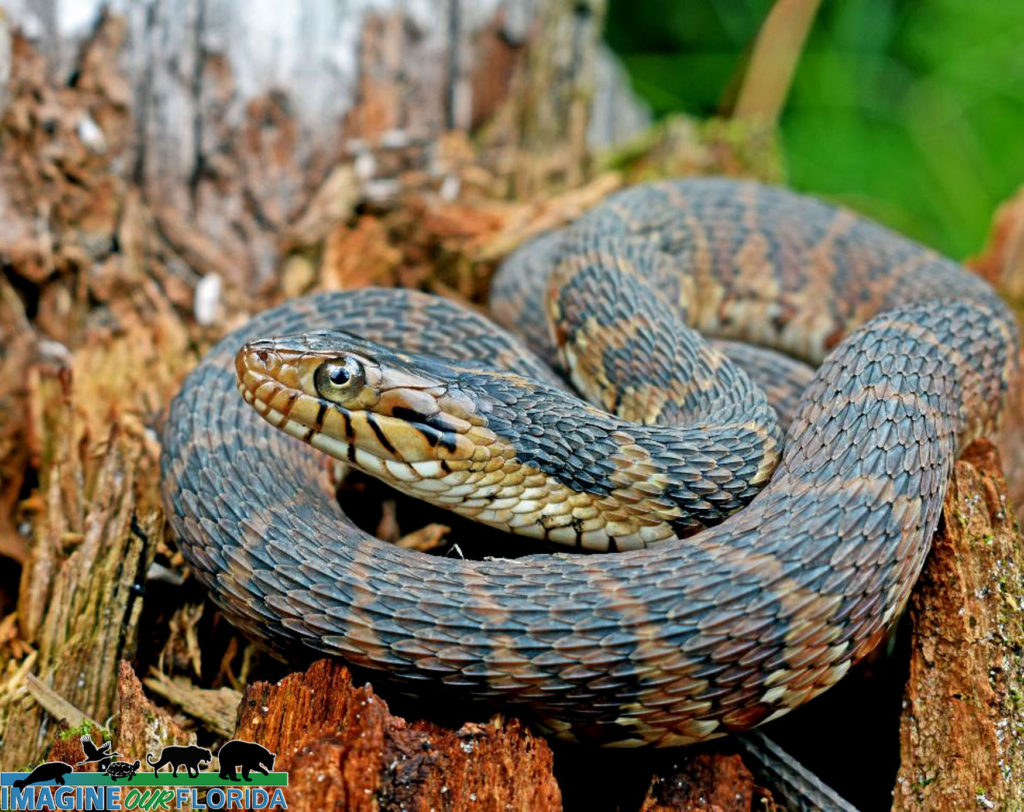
pixel 499 448
pixel 392 415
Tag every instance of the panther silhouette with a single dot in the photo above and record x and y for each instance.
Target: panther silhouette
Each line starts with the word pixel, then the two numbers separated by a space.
pixel 191 757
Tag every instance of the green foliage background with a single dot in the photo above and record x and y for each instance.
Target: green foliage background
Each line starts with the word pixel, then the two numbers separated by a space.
pixel 911 111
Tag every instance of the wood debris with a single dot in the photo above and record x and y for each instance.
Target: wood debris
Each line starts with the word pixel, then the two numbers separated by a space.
pixel 343 749
pixel 215 708
pixel 962 728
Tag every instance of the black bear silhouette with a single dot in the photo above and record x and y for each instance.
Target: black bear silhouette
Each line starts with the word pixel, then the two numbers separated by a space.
pixel 245 756
pixel 191 757
pixel 50 771
pixel 100 755
pixel 122 769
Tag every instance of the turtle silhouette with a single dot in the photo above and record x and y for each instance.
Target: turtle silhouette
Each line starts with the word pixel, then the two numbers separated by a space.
pixel 96 755
pixel 50 771
pixel 122 769
pixel 245 756
pixel 191 757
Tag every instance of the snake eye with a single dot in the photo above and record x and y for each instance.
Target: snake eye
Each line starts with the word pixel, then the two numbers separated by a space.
pixel 339 378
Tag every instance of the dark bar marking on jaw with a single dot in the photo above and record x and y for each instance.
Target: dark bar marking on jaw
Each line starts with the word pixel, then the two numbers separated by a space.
pixel 381 437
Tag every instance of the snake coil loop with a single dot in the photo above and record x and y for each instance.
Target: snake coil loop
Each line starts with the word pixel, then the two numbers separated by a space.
pixel 684 640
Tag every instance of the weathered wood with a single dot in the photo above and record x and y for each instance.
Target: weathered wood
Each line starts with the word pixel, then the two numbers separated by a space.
pixel 706 781
pixel 216 708
pixel 1002 261
pixel 343 749
pixel 239 112
pixel 80 610
pixel 142 726
pixel 962 729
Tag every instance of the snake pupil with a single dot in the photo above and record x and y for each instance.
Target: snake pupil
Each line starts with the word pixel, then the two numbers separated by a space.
pixel 338 378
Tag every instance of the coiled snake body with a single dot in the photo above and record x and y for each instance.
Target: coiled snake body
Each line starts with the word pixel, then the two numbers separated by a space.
pixel 691 637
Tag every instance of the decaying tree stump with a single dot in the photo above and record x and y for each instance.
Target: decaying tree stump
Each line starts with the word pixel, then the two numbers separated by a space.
pixel 343 749
pixel 166 170
pixel 962 729
pixel 707 781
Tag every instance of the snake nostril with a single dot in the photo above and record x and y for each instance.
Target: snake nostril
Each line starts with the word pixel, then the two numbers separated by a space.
pixel 263 355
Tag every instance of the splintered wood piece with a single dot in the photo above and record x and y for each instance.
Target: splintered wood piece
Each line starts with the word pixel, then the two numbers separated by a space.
pixel 704 781
pixel 216 708
pixel 82 609
pixel 960 733
pixel 343 749
pixel 143 727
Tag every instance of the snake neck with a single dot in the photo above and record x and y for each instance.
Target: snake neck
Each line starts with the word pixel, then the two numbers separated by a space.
pixel 548 466
pixel 506 450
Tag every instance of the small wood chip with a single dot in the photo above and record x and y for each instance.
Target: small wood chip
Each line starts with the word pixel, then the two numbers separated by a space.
pixel 426 538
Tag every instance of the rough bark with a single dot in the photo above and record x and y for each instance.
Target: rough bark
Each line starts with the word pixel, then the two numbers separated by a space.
pixel 707 781
pixel 143 727
pixel 343 749
pixel 79 609
pixel 239 113
pixel 961 735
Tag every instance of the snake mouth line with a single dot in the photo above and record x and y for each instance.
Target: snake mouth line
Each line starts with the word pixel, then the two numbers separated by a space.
pixel 422 473
pixel 445 484
pixel 515 498
pixel 450 436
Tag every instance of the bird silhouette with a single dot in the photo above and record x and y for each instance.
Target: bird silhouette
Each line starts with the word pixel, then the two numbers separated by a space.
pixel 100 755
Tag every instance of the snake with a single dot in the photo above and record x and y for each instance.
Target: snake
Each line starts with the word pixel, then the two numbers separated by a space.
pixel 759 539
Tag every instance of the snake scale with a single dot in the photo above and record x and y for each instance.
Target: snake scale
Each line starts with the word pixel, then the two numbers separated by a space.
pixel 699 632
